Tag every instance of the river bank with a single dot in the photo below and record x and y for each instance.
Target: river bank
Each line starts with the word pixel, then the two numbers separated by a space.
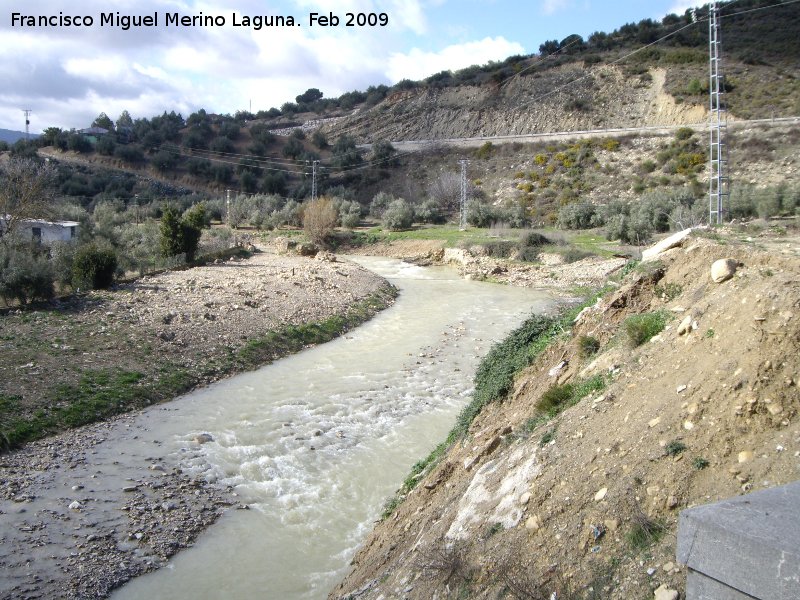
pixel 75 524
pixel 551 271
pixel 86 510
pixel 106 352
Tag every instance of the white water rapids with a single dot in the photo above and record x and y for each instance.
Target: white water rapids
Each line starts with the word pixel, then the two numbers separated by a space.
pixel 316 442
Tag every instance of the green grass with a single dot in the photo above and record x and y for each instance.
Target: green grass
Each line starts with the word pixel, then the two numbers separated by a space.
pixel 548 437
pixel 588 346
pixel 560 397
pixel 644 533
pixel 641 328
pixel 293 338
pixel 594 243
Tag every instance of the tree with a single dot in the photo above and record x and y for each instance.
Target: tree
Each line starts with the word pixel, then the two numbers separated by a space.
pixel 124 120
pixel 293 148
pixel 25 272
pixel 25 191
pixel 398 215
pixel 549 47
pixel 319 220
pixel 181 236
pixel 103 121
pixel 93 267
pixel 309 96
pixel 384 153
pixel 345 152
pixel 319 140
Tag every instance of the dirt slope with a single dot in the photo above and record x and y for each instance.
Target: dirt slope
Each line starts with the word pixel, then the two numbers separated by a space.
pixel 568 98
pixel 586 505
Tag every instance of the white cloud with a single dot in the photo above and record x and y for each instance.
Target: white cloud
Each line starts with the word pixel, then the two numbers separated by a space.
pixel 550 7
pixel 417 64
pixel 681 6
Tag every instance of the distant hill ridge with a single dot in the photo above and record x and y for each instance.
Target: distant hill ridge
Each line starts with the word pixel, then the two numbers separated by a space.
pixel 11 136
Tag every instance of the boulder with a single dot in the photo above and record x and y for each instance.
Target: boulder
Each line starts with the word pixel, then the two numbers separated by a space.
pixel 672 241
pixel 326 256
pixel 306 249
pixel 723 269
pixel 664 593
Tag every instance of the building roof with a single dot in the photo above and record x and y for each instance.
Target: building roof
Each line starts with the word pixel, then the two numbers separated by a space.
pixel 93 131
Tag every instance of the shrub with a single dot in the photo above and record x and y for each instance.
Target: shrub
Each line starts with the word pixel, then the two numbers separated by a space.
pixel 499 248
pixel 640 328
pixel 319 220
pixel 555 397
pixel 578 215
pixel 674 448
pixel 533 239
pixel 588 346
pixel 398 215
pixel 429 212
pixel 485 151
pixel 380 202
pixel 480 214
pixel 181 236
pixel 93 267
pixel 25 273
pixel 573 254
pixel 349 213
pixel 131 153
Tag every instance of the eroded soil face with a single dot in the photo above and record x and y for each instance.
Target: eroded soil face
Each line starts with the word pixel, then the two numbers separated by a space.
pixel 588 501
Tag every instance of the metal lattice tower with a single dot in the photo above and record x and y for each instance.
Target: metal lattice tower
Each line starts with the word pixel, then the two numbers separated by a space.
pixel 464 162
pixel 314 180
pixel 718 150
pixel 27 112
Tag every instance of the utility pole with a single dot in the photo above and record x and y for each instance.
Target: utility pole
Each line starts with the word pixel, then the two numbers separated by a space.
pixel 314 180
pixel 718 151
pixel 27 112
pixel 464 162
pixel 228 207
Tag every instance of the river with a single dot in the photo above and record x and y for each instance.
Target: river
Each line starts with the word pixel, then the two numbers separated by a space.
pixel 316 442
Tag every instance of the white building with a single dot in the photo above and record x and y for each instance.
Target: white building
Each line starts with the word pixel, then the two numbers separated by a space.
pixel 43 231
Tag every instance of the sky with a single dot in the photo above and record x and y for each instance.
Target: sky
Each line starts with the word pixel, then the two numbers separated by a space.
pixel 68 73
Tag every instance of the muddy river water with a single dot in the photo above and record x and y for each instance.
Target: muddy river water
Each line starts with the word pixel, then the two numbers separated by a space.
pixel 316 442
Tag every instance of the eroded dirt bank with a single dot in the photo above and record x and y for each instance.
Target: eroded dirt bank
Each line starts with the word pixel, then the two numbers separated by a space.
pixel 585 503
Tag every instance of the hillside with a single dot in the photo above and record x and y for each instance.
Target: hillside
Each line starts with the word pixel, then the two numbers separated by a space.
pixel 572 483
pixel 642 74
pixel 10 136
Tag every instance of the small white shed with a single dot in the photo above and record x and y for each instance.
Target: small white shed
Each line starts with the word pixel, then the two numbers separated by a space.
pixel 47 232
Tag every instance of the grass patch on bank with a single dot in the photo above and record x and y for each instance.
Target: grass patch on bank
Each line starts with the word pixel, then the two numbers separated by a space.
pixel 98 394
pixel 641 328
pixel 293 338
pixel 452 236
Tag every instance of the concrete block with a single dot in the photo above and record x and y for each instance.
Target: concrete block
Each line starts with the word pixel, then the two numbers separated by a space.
pixel 700 587
pixel 749 543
